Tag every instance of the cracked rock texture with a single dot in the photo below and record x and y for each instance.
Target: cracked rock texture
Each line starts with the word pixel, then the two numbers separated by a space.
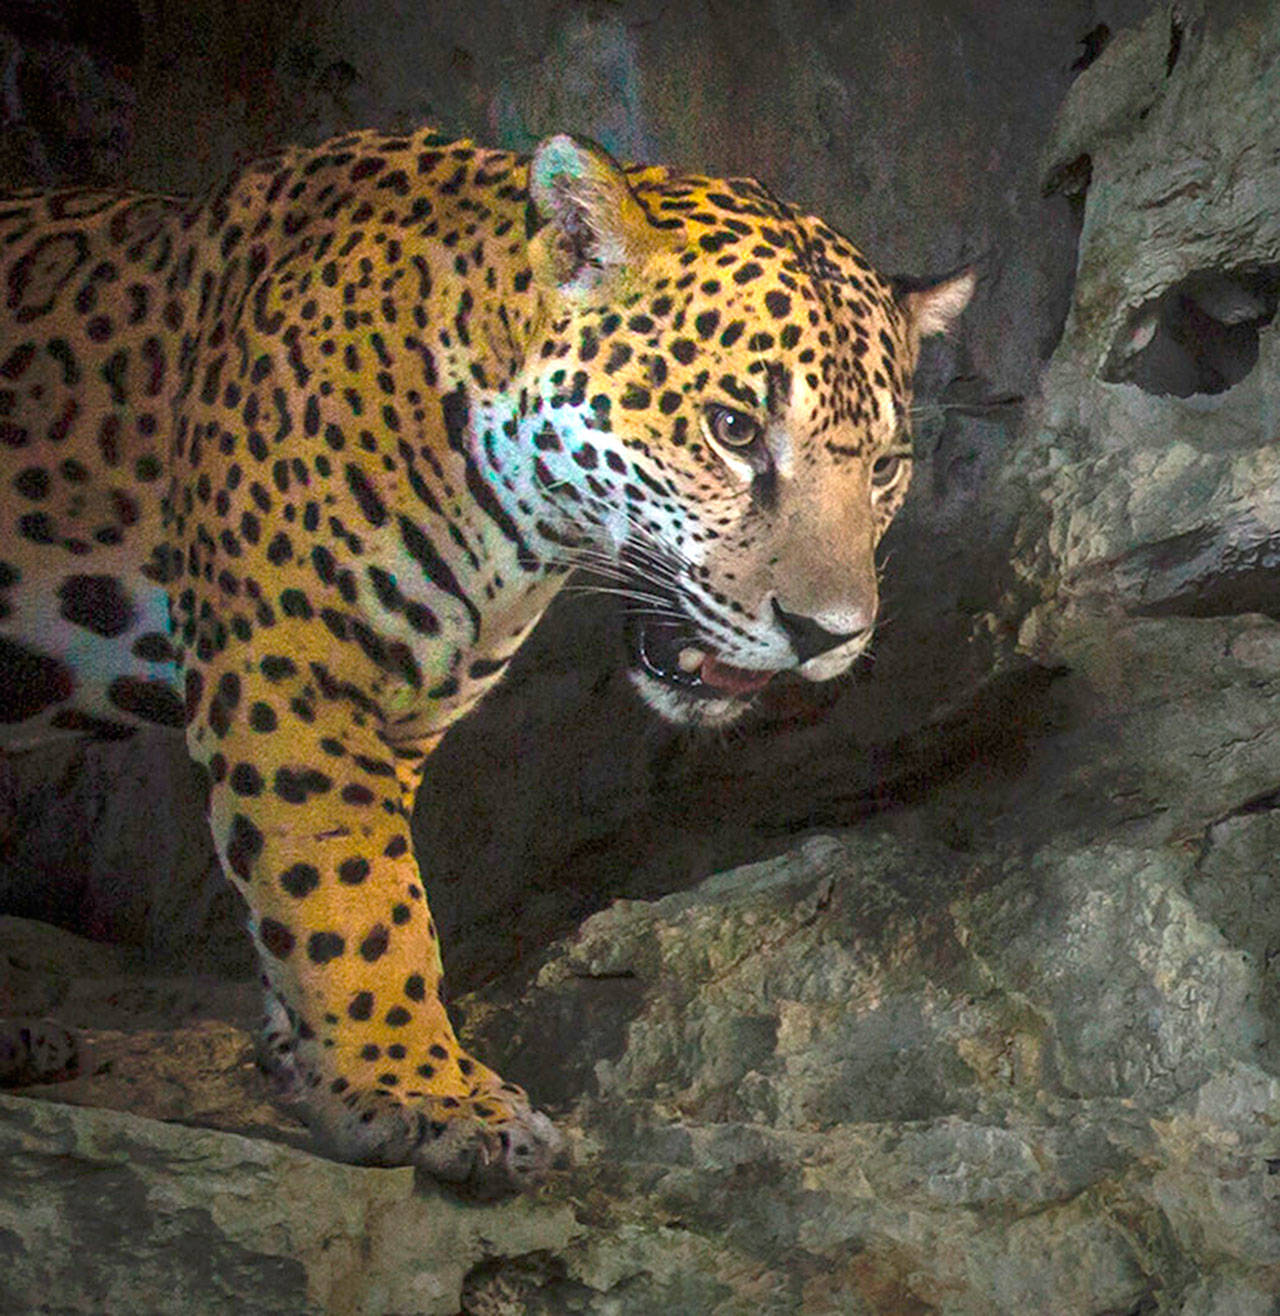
pixel 980 1010
pixel 881 1076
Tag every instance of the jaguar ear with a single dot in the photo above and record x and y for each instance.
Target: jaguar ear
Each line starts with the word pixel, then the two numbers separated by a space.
pixel 585 225
pixel 933 308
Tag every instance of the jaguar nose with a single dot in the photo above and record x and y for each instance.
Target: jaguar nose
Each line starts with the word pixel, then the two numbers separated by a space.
pixel 808 637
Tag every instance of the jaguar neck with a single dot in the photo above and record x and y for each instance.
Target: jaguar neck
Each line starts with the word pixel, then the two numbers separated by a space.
pixel 536 467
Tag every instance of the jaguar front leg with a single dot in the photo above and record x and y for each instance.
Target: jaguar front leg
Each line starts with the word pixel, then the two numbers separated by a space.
pixel 310 809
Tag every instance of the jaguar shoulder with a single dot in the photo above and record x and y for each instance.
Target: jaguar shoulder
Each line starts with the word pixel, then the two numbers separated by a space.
pixel 295 468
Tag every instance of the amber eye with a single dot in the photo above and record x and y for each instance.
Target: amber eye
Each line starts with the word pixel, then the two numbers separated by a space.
pixel 733 429
pixel 888 469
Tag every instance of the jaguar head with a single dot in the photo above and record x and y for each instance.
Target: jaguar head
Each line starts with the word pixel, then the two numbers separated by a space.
pixel 724 390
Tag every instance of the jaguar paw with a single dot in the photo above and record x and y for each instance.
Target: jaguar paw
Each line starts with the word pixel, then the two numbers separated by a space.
pixel 489 1158
pixel 489 1145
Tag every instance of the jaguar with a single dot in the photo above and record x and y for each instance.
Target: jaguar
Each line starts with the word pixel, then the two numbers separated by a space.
pixel 294 468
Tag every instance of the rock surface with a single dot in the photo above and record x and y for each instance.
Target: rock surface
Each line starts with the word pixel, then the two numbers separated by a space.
pixel 102 1211
pixel 871 1075
pixel 875 1076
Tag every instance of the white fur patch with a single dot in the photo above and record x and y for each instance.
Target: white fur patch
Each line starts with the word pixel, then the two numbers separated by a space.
pixel 835 662
pixel 686 710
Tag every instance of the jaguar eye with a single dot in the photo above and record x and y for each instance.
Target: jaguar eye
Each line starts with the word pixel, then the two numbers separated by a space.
pixel 888 469
pixel 733 429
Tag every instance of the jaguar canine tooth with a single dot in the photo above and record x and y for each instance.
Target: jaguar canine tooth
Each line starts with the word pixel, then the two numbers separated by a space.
pixel 690 659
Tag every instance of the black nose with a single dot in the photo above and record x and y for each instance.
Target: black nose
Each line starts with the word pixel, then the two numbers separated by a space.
pixel 807 638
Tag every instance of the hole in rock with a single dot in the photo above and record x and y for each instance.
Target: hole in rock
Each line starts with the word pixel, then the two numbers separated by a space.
pixel 1199 336
pixel 1175 44
pixel 1072 180
pixel 1092 44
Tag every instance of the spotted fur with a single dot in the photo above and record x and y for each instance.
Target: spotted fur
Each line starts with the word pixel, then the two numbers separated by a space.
pixel 296 467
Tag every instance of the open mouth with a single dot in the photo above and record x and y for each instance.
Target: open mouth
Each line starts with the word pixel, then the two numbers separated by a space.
pixel 671 652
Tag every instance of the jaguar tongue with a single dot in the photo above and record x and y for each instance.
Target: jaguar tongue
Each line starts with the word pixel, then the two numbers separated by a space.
pixel 733 680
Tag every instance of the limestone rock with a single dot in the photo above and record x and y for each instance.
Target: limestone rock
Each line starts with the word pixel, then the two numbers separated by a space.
pixel 867 1075
pixel 102 1211
pixel 1152 453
